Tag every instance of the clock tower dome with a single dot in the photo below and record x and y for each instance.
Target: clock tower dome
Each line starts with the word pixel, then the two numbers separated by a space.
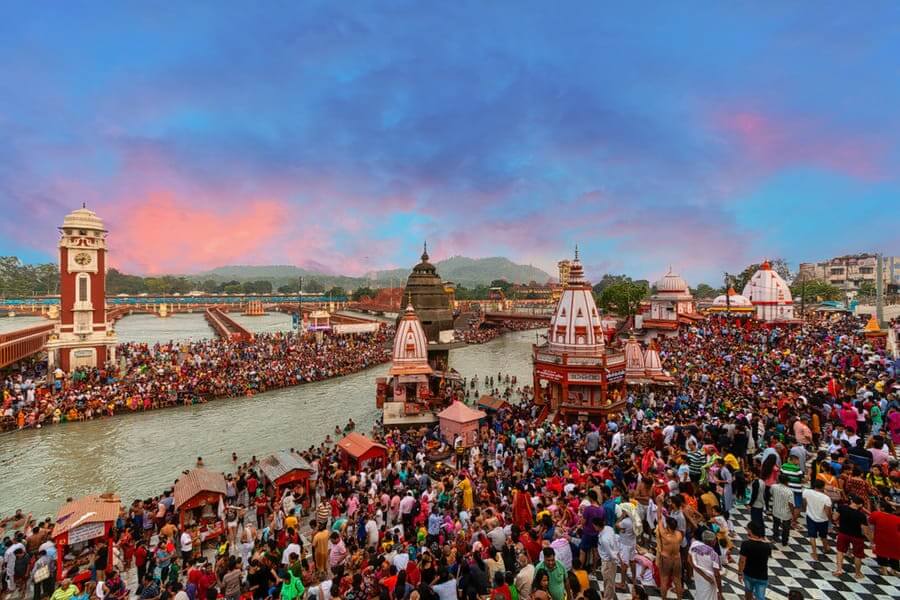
pixel 83 338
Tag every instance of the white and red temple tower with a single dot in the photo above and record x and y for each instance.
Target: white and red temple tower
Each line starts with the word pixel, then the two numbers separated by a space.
pixel 409 368
pixel 83 337
pixel 770 295
pixel 572 370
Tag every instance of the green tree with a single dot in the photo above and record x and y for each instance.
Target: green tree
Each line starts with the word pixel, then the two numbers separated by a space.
pixel 867 288
pixel 120 283
pixel 257 287
pixel 623 298
pixel 363 292
pixel 313 286
pixel 608 280
pixel 502 284
pixel 337 291
pixel 46 278
pixel 704 290
pixel 814 290
pixel 210 286
pixel 233 288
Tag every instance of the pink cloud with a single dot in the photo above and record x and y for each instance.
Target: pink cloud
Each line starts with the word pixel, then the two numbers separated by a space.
pixel 162 233
pixel 774 142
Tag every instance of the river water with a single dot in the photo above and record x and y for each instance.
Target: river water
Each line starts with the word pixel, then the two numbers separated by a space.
pixel 139 454
pixel 13 323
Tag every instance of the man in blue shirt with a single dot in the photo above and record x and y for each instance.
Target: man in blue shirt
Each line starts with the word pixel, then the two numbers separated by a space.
pixel 609 506
pixel 434 525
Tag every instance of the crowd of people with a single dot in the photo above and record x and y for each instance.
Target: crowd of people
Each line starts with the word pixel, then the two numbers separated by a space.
pixel 152 376
pixel 479 335
pixel 787 432
pixel 177 373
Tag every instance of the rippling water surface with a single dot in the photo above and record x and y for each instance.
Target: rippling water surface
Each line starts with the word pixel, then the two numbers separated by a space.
pixel 150 329
pixel 138 454
pixel 12 323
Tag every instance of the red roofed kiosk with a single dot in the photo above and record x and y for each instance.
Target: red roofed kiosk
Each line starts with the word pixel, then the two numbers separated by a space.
pixel 285 469
pixel 358 451
pixel 460 419
pixel 88 519
pixel 197 496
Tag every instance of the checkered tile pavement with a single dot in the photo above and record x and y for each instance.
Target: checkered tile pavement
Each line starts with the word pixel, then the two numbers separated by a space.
pixel 792 567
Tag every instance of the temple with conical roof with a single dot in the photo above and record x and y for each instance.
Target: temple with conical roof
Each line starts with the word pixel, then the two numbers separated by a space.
pixel 406 396
pixel 427 294
pixel 770 295
pixel 572 369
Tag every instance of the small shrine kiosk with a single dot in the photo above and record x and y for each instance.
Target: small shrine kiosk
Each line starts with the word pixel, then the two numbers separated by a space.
pixel 198 494
pixel 87 521
pixel 874 334
pixel 492 404
pixel 460 419
pixel 358 451
pixel 286 469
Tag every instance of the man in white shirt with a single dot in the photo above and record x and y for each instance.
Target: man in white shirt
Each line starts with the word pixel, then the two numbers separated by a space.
pixel 608 547
pixel 290 549
pixel 187 549
pixel 817 508
pixel 371 533
pixel 525 576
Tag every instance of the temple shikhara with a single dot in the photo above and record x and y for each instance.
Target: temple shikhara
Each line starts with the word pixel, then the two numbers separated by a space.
pixel 425 291
pixel 420 381
pixel 82 337
pixel 573 371
pixel 770 295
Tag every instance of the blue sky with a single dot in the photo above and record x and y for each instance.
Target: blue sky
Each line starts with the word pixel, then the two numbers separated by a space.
pixel 704 135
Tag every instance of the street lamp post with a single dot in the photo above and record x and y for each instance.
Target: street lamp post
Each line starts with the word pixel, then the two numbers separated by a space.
pixel 300 304
pixel 727 296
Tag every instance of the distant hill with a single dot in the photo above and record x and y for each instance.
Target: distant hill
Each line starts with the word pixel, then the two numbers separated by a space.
pixel 459 269
pixel 471 272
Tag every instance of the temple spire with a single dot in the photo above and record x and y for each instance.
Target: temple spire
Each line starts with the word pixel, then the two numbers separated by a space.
pixel 576 251
pixel 425 251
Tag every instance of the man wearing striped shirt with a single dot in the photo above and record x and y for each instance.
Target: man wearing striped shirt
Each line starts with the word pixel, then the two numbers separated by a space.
pixel 696 459
pixel 782 498
pixel 795 477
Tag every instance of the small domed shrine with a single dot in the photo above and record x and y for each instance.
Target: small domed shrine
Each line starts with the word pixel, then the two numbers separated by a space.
pixel 572 369
pixel 428 296
pixel 770 295
pixel 732 303
pixel 672 305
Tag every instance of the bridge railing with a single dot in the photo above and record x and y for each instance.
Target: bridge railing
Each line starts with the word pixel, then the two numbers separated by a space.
pixel 226 327
pixel 16 345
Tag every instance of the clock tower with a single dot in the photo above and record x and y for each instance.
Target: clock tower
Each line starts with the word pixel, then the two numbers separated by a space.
pixel 83 338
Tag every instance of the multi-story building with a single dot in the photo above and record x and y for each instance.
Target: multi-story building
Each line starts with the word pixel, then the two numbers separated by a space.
pixel 850 271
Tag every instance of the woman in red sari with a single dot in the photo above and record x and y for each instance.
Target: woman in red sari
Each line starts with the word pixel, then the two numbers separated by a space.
pixel 522 511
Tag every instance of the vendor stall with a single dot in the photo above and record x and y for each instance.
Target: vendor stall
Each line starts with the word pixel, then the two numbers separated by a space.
pixel 358 451
pixel 84 523
pixel 198 495
pixel 460 419
pixel 286 469
pixel 492 404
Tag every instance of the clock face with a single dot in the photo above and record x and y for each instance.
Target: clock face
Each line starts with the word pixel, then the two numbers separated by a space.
pixel 83 258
